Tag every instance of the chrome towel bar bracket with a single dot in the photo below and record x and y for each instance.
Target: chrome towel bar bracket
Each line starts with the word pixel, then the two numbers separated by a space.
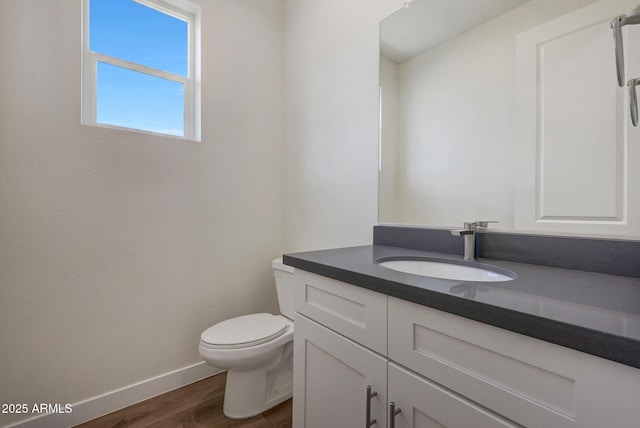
pixel 630 18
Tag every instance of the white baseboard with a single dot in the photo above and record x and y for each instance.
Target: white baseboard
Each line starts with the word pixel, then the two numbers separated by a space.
pixel 103 404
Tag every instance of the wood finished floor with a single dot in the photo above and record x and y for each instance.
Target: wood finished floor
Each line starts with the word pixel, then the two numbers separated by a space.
pixel 198 405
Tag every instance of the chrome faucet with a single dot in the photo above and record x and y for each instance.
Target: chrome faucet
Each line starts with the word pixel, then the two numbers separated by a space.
pixel 469 234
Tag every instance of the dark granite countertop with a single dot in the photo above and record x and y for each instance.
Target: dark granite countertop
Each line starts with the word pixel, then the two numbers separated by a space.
pixel 591 312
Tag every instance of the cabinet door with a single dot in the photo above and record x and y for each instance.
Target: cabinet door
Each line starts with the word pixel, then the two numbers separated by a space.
pixel 331 374
pixel 424 404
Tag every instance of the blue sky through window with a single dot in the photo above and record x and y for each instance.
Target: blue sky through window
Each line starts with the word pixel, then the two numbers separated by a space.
pixel 136 100
pixel 133 32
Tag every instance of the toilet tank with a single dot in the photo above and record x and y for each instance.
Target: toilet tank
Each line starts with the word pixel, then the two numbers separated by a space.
pixel 284 286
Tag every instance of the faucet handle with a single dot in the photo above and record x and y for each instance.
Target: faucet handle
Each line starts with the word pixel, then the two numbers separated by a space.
pixel 478 223
pixel 484 223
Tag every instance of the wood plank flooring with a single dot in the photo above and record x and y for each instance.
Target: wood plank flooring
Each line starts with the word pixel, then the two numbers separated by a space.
pixel 198 405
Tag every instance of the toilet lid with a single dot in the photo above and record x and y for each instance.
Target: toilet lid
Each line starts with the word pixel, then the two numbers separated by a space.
pixel 245 331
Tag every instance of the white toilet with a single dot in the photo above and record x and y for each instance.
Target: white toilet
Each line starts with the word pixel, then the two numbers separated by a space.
pixel 256 350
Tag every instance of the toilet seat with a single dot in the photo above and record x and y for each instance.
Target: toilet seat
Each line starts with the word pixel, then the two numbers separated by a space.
pixel 244 331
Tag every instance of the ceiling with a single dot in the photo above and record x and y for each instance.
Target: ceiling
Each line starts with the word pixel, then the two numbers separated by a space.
pixel 427 23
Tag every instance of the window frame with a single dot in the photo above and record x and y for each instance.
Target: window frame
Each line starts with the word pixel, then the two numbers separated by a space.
pixel 184 10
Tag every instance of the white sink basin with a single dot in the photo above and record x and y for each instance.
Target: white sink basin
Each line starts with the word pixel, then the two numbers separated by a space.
pixel 445 270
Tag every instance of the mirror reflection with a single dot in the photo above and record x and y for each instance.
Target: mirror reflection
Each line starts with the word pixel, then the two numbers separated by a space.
pixel 508 110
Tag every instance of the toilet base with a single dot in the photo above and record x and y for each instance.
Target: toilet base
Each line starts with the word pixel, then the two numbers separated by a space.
pixel 251 392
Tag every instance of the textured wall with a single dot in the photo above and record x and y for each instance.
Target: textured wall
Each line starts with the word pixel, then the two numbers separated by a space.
pixel 118 249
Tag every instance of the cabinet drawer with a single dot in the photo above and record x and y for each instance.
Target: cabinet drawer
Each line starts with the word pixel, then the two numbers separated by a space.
pixel 518 377
pixel 357 313
pixel 424 404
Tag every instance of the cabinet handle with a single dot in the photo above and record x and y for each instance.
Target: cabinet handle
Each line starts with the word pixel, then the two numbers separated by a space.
pixel 370 395
pixel 392 414
pixel 633 100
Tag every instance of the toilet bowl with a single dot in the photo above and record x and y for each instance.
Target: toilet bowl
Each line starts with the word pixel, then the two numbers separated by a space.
pixel 257 352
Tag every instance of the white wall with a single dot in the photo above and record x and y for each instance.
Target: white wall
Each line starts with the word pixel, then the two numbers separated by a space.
pixel 456 136
pixel 118 249
pixel 331 110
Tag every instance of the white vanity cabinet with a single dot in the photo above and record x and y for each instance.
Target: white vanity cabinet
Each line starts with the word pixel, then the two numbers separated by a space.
pixel 439 369
pixel 331 371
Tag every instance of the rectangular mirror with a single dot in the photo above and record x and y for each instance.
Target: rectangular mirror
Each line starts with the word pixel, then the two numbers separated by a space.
pixel 508 110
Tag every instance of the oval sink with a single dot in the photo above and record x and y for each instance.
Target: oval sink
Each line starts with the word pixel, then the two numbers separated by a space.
pixel 445 270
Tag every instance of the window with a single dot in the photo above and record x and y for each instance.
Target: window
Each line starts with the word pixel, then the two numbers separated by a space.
pixel 141 67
